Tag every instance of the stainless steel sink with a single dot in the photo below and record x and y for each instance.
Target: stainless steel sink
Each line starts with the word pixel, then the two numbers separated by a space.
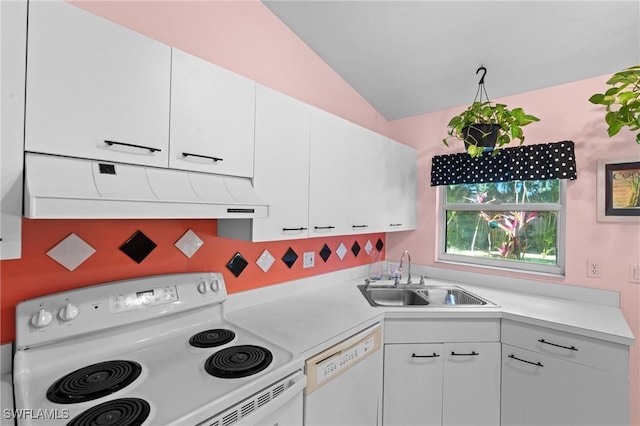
pixel 421 296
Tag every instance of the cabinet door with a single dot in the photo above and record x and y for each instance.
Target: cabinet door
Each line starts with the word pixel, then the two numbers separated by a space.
pixel 412 384
pixel 281 166
pixel 401 188
pixel 471 392
pixel 14 45
pixel 90 81
pixel 328 174
pixel 368 153
pixel 212 118
pixel 539 389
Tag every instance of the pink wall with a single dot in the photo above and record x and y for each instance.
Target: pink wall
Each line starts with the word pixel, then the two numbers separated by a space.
pixel 565 114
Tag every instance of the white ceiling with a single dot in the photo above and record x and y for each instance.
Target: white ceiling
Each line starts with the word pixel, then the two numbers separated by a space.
pixel 411 57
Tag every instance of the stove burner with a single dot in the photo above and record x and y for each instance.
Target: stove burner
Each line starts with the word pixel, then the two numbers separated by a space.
pixel 117 412
pixel 212 338
pixel 238 361
pixel 94 381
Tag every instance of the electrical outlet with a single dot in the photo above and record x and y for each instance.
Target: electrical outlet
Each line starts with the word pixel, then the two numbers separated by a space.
pixel 634 274
pixel 308 259
pixel 593 269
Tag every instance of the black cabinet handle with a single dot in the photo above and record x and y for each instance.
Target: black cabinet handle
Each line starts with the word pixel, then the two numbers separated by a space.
pixel 435 355
pixel 294 229
pixel 571 348
pixel 208 157
pixel 324 227
pixel 395 224
pixel 150 148
pixel 539 364
pixel 240 210
pixel 473 353
pixel 359 226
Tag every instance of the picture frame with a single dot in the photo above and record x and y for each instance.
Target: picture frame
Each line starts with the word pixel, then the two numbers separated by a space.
pixel 618 190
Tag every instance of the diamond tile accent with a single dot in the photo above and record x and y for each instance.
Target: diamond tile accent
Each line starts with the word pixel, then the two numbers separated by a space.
pixel 237 264
pixel 189 243
pixel 341 251
pixel 368 247
pixel 379 245
pixel 265 260
pixel 325 253
pixel 355 249
pixel 71 252
pixel 290 257
pixel 138 246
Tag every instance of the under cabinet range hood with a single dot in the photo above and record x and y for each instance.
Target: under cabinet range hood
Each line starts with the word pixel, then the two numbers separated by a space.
pixel 71 188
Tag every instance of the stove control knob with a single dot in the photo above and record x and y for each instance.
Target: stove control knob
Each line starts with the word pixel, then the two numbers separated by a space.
pixel 69 312
pixel 215 286
pixel 202 287
pixel 41 319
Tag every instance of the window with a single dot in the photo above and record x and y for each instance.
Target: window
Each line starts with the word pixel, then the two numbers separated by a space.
pixel 516 225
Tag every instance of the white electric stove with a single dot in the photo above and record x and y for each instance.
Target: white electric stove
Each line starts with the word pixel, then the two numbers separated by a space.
pixel 149 351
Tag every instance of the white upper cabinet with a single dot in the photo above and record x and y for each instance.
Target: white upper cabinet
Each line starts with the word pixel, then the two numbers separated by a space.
pixel 400 188
pixel 14 44
pixel 212 118
pixel 328 174
pixel 94 88
pixel 281 170
pixel 368 153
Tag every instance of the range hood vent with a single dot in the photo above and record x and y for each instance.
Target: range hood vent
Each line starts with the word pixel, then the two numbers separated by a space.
pixel 72 188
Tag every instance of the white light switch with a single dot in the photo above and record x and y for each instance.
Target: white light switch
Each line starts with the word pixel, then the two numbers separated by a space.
pixel 308 259
pixel 634 274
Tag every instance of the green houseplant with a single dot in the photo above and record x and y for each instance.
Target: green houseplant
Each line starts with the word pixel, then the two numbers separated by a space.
pixel 621 101
pixel 483 119
pixel 486 127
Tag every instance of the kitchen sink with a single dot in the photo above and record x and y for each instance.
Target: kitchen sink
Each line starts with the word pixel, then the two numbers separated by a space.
pixel 421 296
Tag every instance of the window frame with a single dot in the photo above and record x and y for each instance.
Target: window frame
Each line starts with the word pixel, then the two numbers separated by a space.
pixel 510 265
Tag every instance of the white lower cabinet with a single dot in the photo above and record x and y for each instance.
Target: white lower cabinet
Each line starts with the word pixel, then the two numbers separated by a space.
pixel 556 378
pixel 448 383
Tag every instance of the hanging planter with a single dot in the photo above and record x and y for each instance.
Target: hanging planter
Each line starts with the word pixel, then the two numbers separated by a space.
pixel 504 125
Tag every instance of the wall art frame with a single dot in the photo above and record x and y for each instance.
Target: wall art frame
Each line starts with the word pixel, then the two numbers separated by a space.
pixel 618 190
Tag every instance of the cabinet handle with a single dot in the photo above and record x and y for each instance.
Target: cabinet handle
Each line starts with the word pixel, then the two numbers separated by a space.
pixel 359 226
pixel 294 229
pixel 215 159
pixel 324 227
pixel 150 148
pixel 395 224
pixel 539 364
pixel 435 355
pixel 473 353
pixel 240 210
pixel 571 348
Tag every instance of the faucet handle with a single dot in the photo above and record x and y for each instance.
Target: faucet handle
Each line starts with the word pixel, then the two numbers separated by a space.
pixel 421 279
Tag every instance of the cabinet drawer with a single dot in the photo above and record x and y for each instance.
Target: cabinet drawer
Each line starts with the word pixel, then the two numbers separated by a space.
pixel 425 330
pixel 568 346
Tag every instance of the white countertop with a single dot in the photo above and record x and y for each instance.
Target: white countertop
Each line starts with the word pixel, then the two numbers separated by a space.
pixel 308 317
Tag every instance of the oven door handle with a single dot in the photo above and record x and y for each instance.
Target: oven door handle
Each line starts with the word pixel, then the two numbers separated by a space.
pixel 299 382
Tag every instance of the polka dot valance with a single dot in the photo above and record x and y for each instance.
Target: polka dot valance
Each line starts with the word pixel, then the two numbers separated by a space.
pixel 554 160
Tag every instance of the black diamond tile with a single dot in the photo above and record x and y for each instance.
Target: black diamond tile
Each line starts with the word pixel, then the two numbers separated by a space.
pixel 138 246
pixel 325 252
pixel 379 244
pixel 237 264
pixel 355 249
pixel 290 257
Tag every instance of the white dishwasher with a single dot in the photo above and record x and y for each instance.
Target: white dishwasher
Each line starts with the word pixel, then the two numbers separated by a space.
pixel 344 383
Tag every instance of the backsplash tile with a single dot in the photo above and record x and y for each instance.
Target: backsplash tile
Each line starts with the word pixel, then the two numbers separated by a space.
pixel 265 261
pixel 325 253
pixel 368 247
pixel 379 244
pixel 341 251
pixel 189 243
pixel 290 257
pixel 138 246
pixel 237 264
pixel 71 252
pixel 355 249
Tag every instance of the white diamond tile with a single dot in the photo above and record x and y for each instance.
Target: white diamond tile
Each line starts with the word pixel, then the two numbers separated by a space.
pixel 265 260
pixel 189 243
pixel 368 247
pixel 341 251
pixel 71 252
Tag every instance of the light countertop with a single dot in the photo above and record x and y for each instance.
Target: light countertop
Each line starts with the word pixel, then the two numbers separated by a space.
pixel 308 317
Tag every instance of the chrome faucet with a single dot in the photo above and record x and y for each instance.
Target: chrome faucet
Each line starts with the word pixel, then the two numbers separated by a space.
pixel 400 267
